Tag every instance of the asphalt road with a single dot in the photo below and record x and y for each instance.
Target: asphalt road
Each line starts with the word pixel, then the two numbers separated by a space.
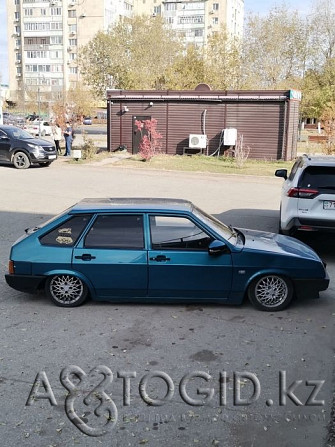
pixel 151 349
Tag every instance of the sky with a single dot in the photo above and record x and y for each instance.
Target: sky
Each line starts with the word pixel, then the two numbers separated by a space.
pixel 254 6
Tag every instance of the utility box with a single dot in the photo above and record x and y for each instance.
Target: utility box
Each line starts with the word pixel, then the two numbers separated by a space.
pixel 229 137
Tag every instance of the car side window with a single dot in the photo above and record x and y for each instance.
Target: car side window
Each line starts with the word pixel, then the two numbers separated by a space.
pixel 67 233
pixel 294 169
pixel 116 231
pixel 177 233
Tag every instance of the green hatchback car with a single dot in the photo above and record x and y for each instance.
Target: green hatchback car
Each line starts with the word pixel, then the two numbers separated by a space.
pixel 160 250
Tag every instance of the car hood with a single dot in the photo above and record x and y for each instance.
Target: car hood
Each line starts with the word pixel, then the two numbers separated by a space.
pixel 37 141
pixel 277 243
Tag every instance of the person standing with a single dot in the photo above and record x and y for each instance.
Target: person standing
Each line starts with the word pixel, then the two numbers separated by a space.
pixel 57 135
pixel 68 139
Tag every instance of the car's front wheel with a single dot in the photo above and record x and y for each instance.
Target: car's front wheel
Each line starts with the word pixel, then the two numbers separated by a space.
pixel 66 290
pixel 270 292
pixel 21 160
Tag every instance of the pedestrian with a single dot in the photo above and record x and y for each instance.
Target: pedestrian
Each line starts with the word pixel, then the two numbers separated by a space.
pixel 68 135
pixel 57 135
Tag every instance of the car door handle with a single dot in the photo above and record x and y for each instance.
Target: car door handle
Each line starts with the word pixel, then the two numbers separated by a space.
pixel 85 257
pixel 160 258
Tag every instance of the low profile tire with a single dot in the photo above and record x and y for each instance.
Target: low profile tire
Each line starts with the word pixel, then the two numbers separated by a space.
pixel 66 290
pixel 270 292
pixel 21 160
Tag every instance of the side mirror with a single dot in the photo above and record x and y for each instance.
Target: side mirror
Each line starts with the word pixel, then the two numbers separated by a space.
pixel 281 173
pixel 217 248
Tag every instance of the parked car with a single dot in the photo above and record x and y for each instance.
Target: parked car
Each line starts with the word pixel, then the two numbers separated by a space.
pixel 22 150
pixel 308 195
pixel 87 120
pixel 160 250
pixel 37 127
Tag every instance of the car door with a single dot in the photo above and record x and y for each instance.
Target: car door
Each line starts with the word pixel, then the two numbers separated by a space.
pixel 179 262
pixel 5 145
pixel 113 257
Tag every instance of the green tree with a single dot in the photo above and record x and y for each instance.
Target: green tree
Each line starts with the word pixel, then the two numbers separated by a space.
pixel 187 70
pixel 275 49
pixel 223 61
pixel 134 54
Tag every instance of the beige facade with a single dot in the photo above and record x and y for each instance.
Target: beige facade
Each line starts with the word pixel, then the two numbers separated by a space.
pixel 44 36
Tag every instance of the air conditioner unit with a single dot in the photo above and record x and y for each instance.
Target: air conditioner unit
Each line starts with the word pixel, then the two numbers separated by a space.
pixel 197 141
pixel 18 75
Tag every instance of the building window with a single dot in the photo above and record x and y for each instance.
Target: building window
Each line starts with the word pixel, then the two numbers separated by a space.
pixel 73 70
pixel 56 26
pixel 56 40
pixel 28 12
pixel 198 32
pixel 215 20
pixel 170 6
pixel 215 6
pixel 72 56
pixel 43 12
pixel 73 42
pixel 184 20
pixel 72 28
pixel 36 54
pixel 56 11
pixel 72 13
pixel 56 54
pixel 169 20
pixel 17 16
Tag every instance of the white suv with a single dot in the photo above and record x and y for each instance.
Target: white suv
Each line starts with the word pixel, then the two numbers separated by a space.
pixel 308 195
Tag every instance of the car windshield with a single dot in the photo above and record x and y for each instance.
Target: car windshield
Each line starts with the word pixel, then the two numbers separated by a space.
pixel 228 233
pixel 15 132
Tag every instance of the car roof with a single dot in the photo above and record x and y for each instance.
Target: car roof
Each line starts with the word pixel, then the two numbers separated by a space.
pixel 319 160
pixel 8 127
pixel 131 204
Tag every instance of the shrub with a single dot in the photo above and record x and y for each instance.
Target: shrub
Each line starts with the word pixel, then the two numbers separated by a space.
pixel 88 148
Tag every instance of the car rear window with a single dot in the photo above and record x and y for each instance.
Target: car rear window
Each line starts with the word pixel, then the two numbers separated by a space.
pixel 319 177
pixel 67 233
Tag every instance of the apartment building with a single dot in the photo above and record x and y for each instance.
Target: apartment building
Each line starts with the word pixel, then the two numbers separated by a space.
pixel 43 41
pixel 44 36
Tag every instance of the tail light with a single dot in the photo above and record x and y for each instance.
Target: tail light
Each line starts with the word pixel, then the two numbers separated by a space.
pixel 302 193
pixel 11 269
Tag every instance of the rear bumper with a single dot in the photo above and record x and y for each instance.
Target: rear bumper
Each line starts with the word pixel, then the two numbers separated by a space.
pixel 310 288
pixel 310 225
pixel 24 283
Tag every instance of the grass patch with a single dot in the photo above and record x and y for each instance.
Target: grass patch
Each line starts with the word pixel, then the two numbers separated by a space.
pixel 202 163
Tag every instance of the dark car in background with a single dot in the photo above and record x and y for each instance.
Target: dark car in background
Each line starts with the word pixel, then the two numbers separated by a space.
pixel 22 150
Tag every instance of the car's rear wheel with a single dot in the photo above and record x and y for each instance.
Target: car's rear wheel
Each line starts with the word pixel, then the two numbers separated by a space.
pixel 21 160
pixel 66 290
pixel 270 292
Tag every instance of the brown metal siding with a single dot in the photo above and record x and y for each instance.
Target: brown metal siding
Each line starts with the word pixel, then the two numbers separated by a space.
pixel 268 125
